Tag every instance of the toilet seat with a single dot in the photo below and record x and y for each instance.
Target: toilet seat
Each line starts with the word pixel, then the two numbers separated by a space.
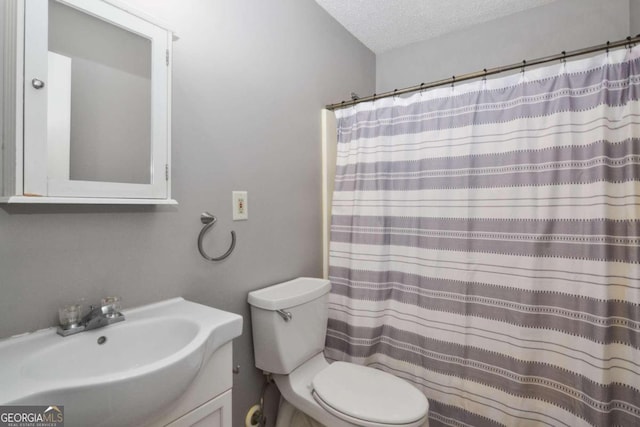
pixel 368 397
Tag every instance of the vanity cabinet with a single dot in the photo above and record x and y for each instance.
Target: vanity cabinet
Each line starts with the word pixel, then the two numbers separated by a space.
pixel 207 400
pixel 86 103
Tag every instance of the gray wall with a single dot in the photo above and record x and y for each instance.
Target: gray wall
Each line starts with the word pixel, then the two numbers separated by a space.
pixel 634 17
pixel 546 30
pixel 2 160
pixel 250 79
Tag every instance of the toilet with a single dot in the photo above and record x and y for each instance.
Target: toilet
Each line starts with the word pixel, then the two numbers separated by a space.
pixel 289 327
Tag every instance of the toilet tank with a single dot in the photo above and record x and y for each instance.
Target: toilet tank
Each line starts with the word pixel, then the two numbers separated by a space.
pixel 279 344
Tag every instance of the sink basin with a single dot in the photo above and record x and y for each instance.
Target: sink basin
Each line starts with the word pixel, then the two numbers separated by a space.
pixel 127 346
pixel 119 375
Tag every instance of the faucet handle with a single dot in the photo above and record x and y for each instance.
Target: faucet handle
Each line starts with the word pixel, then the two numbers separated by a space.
pixel 111 306
pixel 70 315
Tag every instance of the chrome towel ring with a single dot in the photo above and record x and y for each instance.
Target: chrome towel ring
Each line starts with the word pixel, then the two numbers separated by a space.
pixel 209 221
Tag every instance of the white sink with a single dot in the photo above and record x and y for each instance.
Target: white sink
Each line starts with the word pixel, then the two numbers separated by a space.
pixel 145 363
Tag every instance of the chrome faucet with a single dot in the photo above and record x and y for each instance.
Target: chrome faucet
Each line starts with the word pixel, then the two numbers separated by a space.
pixel 97 317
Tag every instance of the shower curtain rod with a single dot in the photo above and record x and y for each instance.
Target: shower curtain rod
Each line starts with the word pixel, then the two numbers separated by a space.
pixel 488 72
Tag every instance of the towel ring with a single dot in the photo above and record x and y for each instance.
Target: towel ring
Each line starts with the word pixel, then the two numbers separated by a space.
pixel 209 221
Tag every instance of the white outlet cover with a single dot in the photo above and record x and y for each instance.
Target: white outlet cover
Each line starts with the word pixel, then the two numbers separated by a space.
pixel 240 205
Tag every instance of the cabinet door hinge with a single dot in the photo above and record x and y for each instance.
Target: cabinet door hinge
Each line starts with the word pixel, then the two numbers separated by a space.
pixel 167 57
pixel 166 172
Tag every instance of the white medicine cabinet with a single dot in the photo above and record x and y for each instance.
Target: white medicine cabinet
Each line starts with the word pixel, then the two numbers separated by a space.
pixel 86 103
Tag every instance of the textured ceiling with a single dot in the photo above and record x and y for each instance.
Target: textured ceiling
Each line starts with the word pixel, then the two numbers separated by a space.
pixel 386 24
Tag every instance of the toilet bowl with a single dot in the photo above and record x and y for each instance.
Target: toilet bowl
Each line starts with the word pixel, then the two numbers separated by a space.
pixel 289 327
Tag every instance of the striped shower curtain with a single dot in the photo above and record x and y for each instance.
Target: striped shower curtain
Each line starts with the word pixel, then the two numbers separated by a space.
pixel 484 245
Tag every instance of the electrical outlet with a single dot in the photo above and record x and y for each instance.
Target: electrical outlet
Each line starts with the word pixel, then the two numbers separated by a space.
pixel 240 205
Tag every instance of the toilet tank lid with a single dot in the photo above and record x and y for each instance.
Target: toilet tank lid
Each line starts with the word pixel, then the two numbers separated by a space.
pixel 289 294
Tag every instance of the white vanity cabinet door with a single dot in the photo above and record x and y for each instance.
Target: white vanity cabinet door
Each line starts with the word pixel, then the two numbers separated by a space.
pixel 38 179
pixel 214 413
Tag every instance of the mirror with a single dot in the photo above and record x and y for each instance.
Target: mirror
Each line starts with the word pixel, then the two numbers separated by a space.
pixel 99 125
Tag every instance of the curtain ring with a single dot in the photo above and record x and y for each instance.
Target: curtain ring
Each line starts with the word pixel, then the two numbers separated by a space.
pixel 421 90
pixel 564 57
pixel 453 81
pixel 524 64
pixel 394 94
pixel 484 78
pixel 607 50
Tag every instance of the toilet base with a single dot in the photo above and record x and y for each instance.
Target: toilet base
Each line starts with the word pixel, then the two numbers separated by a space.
pixel 289 416
pixel 296 390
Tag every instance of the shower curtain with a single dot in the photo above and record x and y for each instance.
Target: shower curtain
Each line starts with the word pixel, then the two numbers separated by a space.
pixel 484 245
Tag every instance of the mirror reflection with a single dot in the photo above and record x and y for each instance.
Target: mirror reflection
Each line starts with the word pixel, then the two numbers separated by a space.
pixel 99 100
